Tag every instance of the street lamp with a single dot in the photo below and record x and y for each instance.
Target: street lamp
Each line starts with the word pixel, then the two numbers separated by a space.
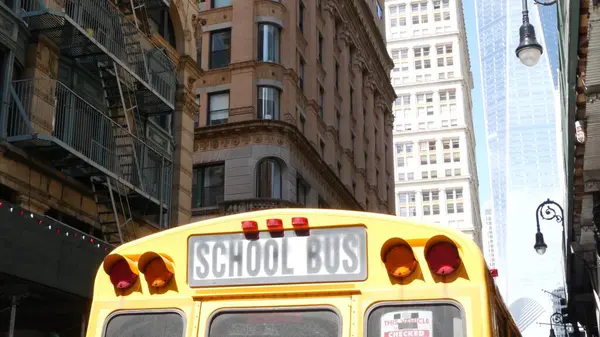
pixel 529 50
pixel 556 318
pixel 549 213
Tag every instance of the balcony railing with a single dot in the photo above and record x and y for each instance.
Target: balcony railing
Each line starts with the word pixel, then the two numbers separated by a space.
pixel 247 205
pixel 44 112
pixel 103 23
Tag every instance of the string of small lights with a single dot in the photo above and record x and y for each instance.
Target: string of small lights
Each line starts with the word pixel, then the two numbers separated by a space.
pixel 56 227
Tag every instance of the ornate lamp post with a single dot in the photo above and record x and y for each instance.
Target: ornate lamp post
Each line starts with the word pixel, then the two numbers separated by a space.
pixel 529 50
pixel 555 319
pixel 546 211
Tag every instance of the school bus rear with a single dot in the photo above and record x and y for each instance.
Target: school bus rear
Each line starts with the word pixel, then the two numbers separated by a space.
pixel 316 273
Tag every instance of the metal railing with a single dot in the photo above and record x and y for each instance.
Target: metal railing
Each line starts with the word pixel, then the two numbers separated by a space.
pixel 105 23
pixel 46 106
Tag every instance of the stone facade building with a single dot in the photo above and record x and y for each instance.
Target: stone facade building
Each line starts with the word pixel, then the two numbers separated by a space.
pixel 295 107
pixel 115 124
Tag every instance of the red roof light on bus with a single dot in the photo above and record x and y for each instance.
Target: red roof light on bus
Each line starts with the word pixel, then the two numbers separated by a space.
pixel 249 226
pixel 274 224
pixel 300 222
pixel 121 275
pixel 400 261
pixel 442 258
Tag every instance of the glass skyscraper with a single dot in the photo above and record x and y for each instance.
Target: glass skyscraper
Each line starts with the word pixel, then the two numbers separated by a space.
pixel 521 128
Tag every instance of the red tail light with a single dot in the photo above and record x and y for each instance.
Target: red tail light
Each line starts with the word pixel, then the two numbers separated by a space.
pixel 121 276
pixel 300 222
pixel 274 224
pixel 249 226
pixel 442 258
pixel 122 271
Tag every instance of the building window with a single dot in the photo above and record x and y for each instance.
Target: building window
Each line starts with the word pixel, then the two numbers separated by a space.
pixel 351 101
pixel 321 102
pixel 444 55
pixel 218 108
pixel 431 202
pixel 425 107
pixel 268 179
pixel 199 53
pixel 268 103
pixel 301 73
pixel 353 139
pixel 398 15
pixel 208 185
pixel 323 203
pixel 339 169
pixel 428 152
pixel 353 187
pixel 419 13
pixel 301 15
pixel 322 147
pixel 338 126
pixel 220 3
pixel 406 204
pixel 302 121
pixel 337 76
pixel 220 49
pixel 454 201
pixel 320 48
pixel 451 150
pixel 268 42
pixel 441 10
pixel 447 105
pixel 422 57
pixel 379 11
pixel 302 190
pixel 404 157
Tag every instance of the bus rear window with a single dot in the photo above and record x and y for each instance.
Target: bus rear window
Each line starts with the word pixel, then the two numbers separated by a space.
pixel 419 320
pixel 152 324
pixel 309 323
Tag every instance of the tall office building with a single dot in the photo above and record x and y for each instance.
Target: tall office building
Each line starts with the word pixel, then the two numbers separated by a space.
pixel 521 128
pixel 489 248
pixel 434 145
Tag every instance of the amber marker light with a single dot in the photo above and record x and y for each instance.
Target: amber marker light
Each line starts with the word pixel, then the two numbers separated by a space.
pixel 400 261
pixel 157 268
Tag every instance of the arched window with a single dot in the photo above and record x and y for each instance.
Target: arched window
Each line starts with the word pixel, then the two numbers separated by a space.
pixel 268 179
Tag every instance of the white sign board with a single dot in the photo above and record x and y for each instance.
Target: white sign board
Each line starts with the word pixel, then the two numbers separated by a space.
pixel 408 323
pixel 316 255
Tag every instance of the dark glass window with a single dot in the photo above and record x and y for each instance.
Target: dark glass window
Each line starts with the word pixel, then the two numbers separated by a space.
pixel 268 179
pixel 268 103
pixel 268 42
pixel 208 185
pixel 305 323
pixel 220 49
pixel 145 324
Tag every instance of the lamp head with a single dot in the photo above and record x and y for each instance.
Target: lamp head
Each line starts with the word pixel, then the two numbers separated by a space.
pixel 540 246
pixel 529 50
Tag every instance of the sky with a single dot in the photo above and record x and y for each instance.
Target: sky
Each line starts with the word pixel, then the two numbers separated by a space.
pixel 478 114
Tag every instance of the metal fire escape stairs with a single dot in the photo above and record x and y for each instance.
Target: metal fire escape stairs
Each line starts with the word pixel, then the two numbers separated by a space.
pixel 111 196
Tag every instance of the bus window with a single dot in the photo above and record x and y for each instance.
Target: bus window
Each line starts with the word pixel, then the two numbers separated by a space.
pixel 145 324
pixel 423 320
pixel 301 322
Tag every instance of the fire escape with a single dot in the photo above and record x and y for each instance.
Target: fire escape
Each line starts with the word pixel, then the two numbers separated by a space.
pixel 110 146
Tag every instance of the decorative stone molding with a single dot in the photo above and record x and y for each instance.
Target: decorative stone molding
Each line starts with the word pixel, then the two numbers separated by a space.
pixel 247 205
pixel 215 16
pixel 214 78
pixel 269 8
pixel 281 134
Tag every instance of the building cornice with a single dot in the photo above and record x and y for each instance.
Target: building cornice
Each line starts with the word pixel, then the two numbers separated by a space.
pixel 294 135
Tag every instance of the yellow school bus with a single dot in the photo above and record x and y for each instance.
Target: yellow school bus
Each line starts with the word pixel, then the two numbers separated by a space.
pixel 299 273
